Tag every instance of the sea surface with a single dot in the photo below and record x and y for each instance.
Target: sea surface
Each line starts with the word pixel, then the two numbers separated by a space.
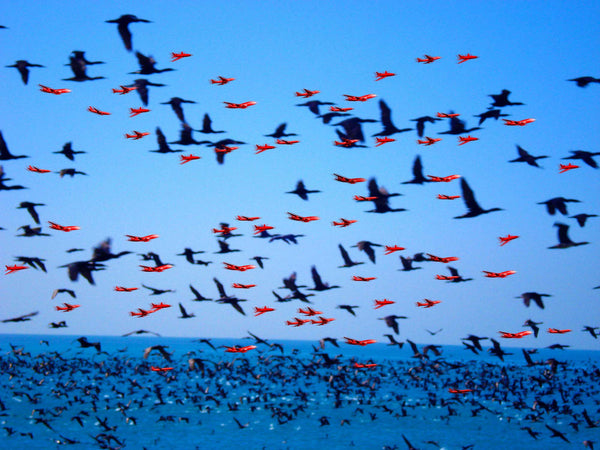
pixel 56 394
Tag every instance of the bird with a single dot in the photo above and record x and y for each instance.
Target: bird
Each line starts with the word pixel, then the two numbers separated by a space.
pixel 407 264
pixel 207 126
pixel 389 128
pixel 102 252
pixel 23 67
pixel 83 268
pixel 197 296
pixel 490 114
pixel 585 156
pixel 417 170
pixel 224 247
pixel 558 204
pixel 63 291
pixel 68 151
pixel 78 65
pixel 176 103
pixel 349 308
pixel 563 238
pixel 123 27
pixel 30 207
pixel 537 298
pixel 347 261
pixel 473 207
pixel 184 313
pixel 159 348
pixel 421 123
pixel 32 261
pixel 381 198
pixel 392 322
pixel 280 132
pixel 224 298
pixel 319 285
pixel 259 260
pixel 582 218
pixel 475 340
pixel 141 87
pixel 30 232
pixel 71 172
pixel 23 318
pixel 301 191
pixel 367 247
pixel 353 128
pixel 558 434
pixel 456 277
pixel 189 254
pixel 6 155
pixel 585 81
pixel 84 343
pixel 163 146
pixel 534 326
pixel 138 332
pixel 156 291
pixel 313 106
pixel 501 100
pixel 524 156
pixel 458 126
pixel 147 65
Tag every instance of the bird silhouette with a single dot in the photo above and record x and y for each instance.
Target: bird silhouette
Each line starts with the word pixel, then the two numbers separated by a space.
pixel 319 285
pixel 30 207
pixel 417 170
pixel 389 128
pixel 32 261
pixel 197 296
pixel 534 326
pixel 381 198
pixel 392 322
pixel 585 81
pixel 301 191
pixel 558 204
pixel 407 264
pixel 458 126
pixel 501 100
pixel 313 106
pixel 524 156
pixel 141 87
pixel 163 146
pixel 535 297
pixel 347 261
pixel 6 155
pixel 176 103
pixel 184 313
pixel 83 268
pixel 123 27
pixel 68 151
pixel 582 218
pixel 367 247
pixel 563 238
pixel 585 156
pixel 23 67
pixel 147 65
pixel 490 114
pixel 421 121
pixel 349 308
pixel 207 126
pixel 353 128
pixel 473 207
pixel 78 64
pixel 280 132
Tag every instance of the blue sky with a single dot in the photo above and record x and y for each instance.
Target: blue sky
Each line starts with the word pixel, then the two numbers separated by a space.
pixel 273 50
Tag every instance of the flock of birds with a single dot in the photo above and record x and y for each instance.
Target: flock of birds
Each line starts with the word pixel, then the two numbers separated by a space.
pixel 349 134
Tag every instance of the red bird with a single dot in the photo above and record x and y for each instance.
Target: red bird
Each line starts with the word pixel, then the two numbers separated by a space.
pixel 222 80
pixel 343 222
pixel 178 56
pixel 357 342
pixel 186 159
pixel 12 269
pixel 309 312
pixel 518 123
pixel 238 105
pixel 135 111
pixel 443 179
pixel 381 75
pixel 428 59
pixel 428 140
pixel 125 289
pixel 67 228
pixel 499 274
pixel 239 268
pixel 447 197
pixel 322 321
pixel 124 90
pixel 518 335
pixel 97 111
pixel 464 139
pixel 262 148
pixel 306 93
pixel 156 269
pixel 37 170
pixel 361 98
pixel 393 249
pixel 446 259
pixel 136 135
pixel 300 218
pixel 358 278
pixel 505 240
pixel 463 58
pixel 348 180
pixel 67 307
pixel 297 322
pixel 246 219
pixel 428 303
pixel 141 238
pixel 383 140
pixel 384 302
pixel 265 309
pixel 53 91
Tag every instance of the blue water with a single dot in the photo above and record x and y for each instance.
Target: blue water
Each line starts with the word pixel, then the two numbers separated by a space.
pixel 288 400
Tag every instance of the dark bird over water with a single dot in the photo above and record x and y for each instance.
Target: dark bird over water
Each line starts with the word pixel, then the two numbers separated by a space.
pixel 123 27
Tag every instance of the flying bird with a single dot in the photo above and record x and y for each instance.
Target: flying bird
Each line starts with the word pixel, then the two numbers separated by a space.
pixel 123 27
pixel 473 207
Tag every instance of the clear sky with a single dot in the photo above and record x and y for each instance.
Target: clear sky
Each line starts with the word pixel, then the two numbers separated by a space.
pixel 274 49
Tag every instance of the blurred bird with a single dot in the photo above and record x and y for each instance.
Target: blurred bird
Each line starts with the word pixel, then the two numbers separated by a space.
pixel 123 27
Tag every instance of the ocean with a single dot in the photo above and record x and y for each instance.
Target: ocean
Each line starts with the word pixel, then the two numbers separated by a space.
pixel 56 394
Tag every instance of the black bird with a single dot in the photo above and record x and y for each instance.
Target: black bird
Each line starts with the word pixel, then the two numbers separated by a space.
pixel 163 147
pixel 68 151
pixel 224 247
pixel 454 273
pixel 537 298
pixel 586 157
pixel 584 81
pixel 222 145
pixel 176 103
pixel 63 291
pixel 501 100
pixel 473 207
pixel 591 330
pixel 349 308
pixel 563 238
pixel 103 252
pixel 138 332
pixel 189 254
pixel 582 218
pixel 161 349
pixel 207 126
pixel 347 261
pixel 393 340
pixel 147 64
pixel 386 120
pixel 319 285
pixel 156 291
pixel 84 343
pixel 490 114
pixel 79 65
pixel 71 172
pixel 367 247
pixel 301 191
pixel 458 126
pixel 417 170
pixel 524 156
pixel 313 105
pixel 123 27
pixel 30 207
pixel 224 298
pixel 407 264
pixel 6 155
pixel 198 297
pixel 30 232
pixel 381 200
pixel 259 261
pixel 184 313
pixel 83 268
pixel 558 204
pixel 496 350
pixel 421 123
pixel 475 340
pixel 328 117
pixel 4 187
pixel 353 128
pixel 23 67
pixel 23 318
pixel 141 87
pixel 280 132
pixel 32 261
pixel 534 326
pixel 556 433
pixel 287 238
pixel 391 321
pixel 61 324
